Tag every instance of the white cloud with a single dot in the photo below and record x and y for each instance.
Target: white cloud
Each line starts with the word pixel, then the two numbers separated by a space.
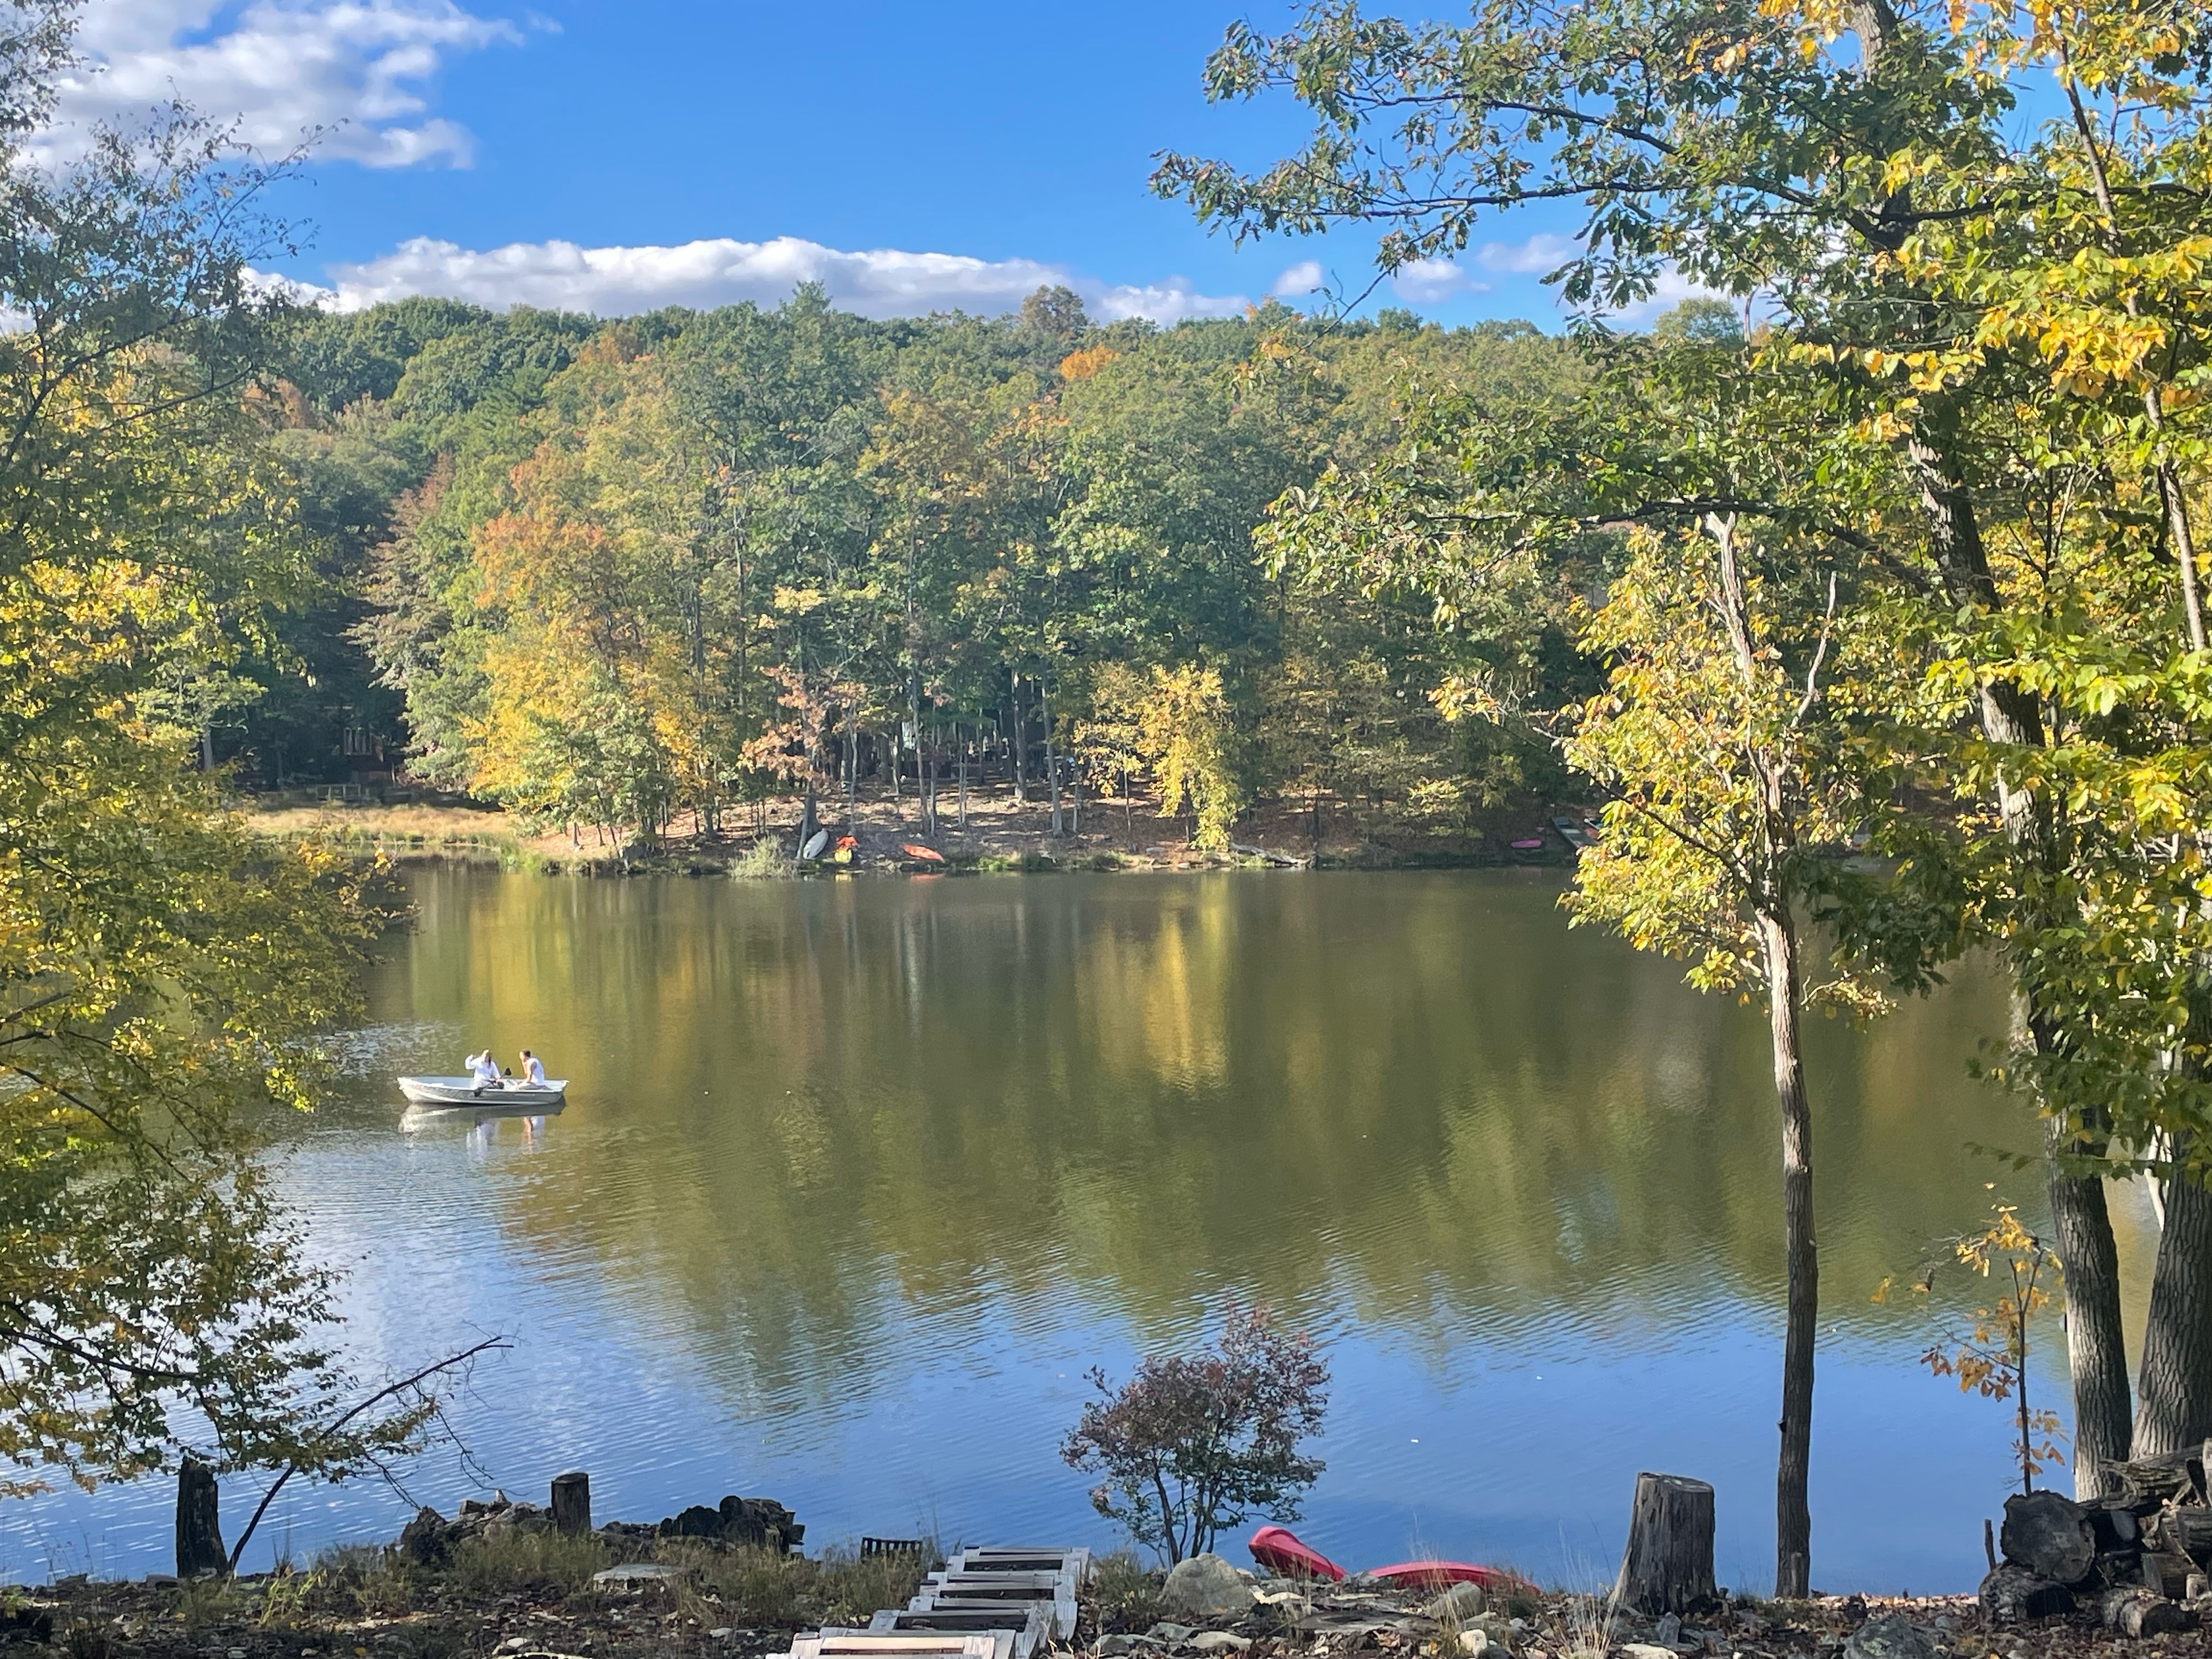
pixel 1539 256
pixel 1672 288
pixel 280 68
pixel 1427 282
pixel 616 281
pixel 1298 280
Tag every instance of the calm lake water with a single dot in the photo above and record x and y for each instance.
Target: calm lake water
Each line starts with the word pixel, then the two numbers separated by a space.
pixel 858 1178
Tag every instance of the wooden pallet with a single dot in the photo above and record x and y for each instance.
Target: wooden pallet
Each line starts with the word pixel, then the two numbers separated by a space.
pixel 911 1644
pixel 1008 1558
pixel 1031 1622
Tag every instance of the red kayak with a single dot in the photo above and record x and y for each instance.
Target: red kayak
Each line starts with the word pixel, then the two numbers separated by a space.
pixel 1435 1575
pixel 1278 1550
pixel 926 855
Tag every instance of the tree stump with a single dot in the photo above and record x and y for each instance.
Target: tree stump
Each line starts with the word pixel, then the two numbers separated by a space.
pixel 1668 1564
pixel 571 1503
pixel 199 1524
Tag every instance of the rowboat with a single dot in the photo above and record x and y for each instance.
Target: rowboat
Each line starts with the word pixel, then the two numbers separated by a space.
pixel 465 1092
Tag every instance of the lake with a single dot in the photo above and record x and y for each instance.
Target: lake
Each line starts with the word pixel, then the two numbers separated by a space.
pixel 859 1178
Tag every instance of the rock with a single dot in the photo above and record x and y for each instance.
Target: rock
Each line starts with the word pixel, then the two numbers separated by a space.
pixel 1668 1630
pixel 1170 1633
pixel 1206 1587
pixel 2048 1534
pixel 2011 1593
pixel 631 1574
pixel 422 1540
pixel 1458 1604
pixel 2132 1610
pixel 1890 1635
pixel 1108 1646
pixel 1645 1651
pixel 1479 1644
pixel 1219 1641
pixel 720 1634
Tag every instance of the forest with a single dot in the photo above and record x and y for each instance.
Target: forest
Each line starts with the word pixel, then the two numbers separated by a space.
pixel 609 572
pixel 1861 592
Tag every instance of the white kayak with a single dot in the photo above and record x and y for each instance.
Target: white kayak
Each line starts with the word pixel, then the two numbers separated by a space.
pixel 508 1097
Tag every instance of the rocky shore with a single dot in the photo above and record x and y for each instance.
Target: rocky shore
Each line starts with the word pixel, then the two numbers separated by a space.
pixel 504 1581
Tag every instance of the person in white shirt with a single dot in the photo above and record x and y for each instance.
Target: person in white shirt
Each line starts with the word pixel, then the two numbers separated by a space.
pixel 484 1070
pixel 533 1070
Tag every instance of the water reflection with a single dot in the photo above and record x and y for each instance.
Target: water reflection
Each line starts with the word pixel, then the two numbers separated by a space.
pixel 856 1180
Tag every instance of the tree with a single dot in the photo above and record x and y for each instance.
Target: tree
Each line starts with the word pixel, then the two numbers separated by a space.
pixel 1969 298
pixel 1190 1448
pixel 161 972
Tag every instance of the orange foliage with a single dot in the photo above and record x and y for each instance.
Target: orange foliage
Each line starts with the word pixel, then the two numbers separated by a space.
pixel 1082 365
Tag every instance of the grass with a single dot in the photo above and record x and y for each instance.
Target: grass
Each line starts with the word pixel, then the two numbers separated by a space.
pixel 764 861
pixel 1127 1592
pixel 512 1561
pixel 763 1588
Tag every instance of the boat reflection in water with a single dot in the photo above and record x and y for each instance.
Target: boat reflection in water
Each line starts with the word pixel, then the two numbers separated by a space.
pixel 482 1123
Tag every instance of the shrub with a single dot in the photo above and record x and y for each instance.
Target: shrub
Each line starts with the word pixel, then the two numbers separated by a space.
pixel 764 861
pixel 1190 1447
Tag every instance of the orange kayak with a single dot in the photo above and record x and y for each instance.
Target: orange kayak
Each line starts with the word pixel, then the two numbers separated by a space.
pixel 1435 1575
pixel 926 855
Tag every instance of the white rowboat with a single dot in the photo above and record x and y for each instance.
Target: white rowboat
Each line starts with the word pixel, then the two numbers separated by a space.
pixel 468 1092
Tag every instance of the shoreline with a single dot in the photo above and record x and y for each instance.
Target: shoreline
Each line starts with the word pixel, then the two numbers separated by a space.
pixel 1001 837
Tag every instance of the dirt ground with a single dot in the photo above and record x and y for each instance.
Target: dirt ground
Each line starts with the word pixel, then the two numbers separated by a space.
pixel 528 1609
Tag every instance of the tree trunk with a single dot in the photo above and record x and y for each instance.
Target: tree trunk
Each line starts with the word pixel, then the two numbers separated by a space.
pixel 1051 765
pixel 2173 1394
pixel 1021 744
pixel 1793 1529
pixel 1668 1564
pixel 963 775
pixel 199 1525
pixel 2096 1350
pixel 2087 1254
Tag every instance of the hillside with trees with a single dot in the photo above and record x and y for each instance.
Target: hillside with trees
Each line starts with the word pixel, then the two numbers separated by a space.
pixel 614 574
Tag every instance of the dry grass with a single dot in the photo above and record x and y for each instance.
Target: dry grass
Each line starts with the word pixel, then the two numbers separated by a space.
pixel 525 1563
pixel 763 1588
pixel 1126 1591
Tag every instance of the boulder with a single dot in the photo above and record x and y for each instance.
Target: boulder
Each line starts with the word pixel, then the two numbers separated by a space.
pixel 2133 1610
pixel 1206 1587
pixel 1666 1630
pixel 422 1540
pixel 1169 1633
pixel 1645 1651
pixel 2010 1594
pixel 2049 1534
pixel 1219 1641
pixel 1888 1636
pixel 1458 1604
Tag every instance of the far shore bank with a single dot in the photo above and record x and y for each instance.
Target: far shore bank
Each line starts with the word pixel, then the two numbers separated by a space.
pixel 1000 835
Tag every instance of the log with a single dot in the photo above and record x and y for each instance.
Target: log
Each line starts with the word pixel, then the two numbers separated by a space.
pixel 2139 1612
pixel 571 1503
pixel 1667 1566
pixel 2011 1595
pixel 199 1521
pixel 2048 1534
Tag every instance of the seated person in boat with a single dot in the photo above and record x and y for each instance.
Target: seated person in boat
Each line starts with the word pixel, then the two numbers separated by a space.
pixel 533 1070
pixel 484 1071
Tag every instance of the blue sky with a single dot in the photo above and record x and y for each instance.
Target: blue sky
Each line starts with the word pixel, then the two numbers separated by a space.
pixel 669 144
